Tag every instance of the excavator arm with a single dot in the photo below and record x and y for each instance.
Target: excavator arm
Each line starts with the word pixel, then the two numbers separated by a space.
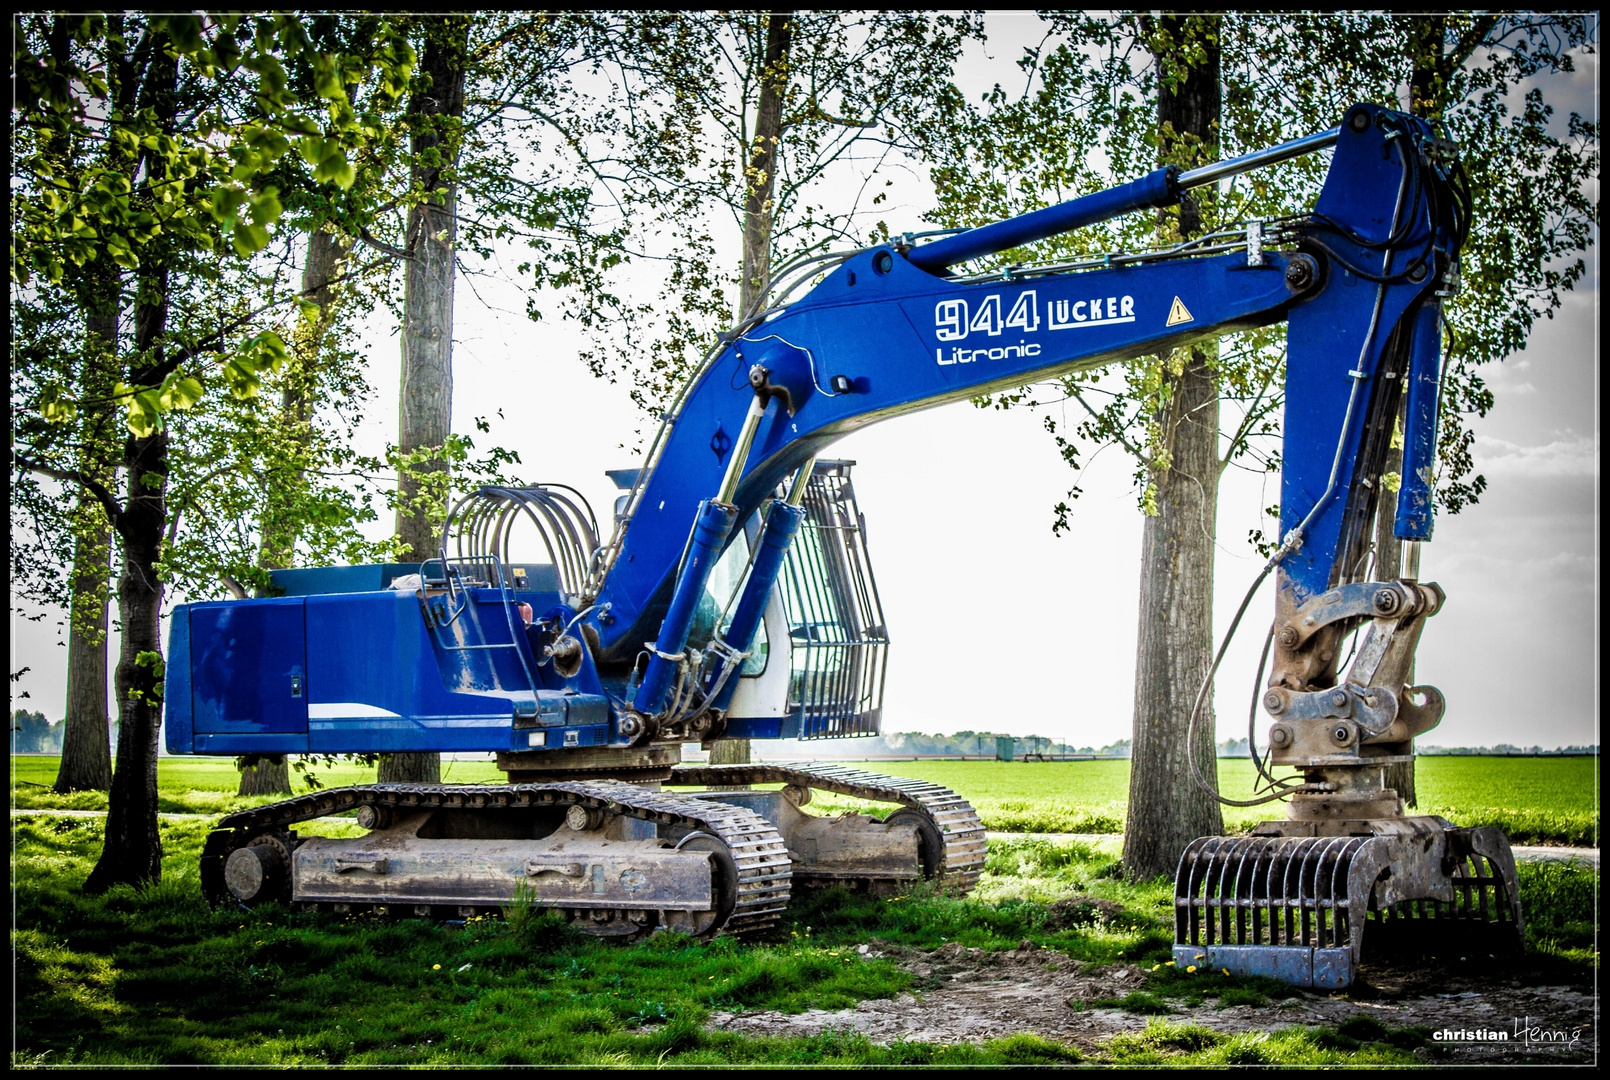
pixel 891 330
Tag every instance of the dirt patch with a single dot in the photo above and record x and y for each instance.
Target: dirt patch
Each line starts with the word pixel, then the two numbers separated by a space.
pixel 969 995
pixel 1073 911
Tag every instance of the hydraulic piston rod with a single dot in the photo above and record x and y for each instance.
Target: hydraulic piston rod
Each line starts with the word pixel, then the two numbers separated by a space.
pixel 782 522
pixel 1161 187
pixel 1273 155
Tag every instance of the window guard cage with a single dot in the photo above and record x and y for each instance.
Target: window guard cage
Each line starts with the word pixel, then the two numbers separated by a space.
pixel 839 643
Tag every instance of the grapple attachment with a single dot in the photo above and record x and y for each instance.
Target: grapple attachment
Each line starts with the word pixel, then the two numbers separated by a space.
pixel 1300 908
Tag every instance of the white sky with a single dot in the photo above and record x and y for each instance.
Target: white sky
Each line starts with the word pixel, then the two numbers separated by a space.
pixel 995 624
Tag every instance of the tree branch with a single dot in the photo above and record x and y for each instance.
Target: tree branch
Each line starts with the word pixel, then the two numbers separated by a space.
pixel 156 374
pixel 114 511
pixel 381 246
pixel 1254 413
pixel 1117 436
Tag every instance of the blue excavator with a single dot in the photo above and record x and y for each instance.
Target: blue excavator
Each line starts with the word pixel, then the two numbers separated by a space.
pixel 735 598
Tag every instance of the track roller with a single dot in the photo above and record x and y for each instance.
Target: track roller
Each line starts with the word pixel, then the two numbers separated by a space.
pixel 933 834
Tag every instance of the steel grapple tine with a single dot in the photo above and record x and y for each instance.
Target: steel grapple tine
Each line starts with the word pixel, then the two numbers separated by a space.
pixel 1284 907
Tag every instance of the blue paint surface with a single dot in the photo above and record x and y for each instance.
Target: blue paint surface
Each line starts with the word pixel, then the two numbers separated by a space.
pixel 249 670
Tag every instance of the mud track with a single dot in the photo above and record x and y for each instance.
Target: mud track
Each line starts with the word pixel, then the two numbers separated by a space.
pixel 969 995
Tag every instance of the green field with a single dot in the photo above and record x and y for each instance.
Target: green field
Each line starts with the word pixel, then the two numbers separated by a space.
pixel 157 977
pixel 1535 800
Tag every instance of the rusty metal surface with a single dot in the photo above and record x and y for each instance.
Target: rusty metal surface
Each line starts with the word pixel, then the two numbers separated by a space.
pixel 1370 712
pixel 1297 907
pixel 760 864
pixel 643 764
pixel 956 864
pixel 847 848
pixel 564 869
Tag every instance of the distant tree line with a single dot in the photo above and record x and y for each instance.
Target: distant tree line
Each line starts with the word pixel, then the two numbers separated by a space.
pixel 1506 750
pixel 982 743
pixel 31 733
pixel 979 743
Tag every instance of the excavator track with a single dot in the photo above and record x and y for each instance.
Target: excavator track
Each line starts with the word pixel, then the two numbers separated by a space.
pixel 961 845
pixel 757 850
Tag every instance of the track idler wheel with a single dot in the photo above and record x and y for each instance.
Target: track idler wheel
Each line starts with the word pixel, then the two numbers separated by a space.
pixel 260 872
pixel 930 845
pixel 705 924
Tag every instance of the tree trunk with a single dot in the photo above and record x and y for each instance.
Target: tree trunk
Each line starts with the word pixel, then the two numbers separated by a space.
pixel 1167 809
pixel 729 752
pixel 427 339
pixel 132 853
pixel 410 769
pixel 760 187
pixel 427 365
pixel 760 171
pixel 1426 34
pixel 86 753
pixel 287 478
pixel 267 774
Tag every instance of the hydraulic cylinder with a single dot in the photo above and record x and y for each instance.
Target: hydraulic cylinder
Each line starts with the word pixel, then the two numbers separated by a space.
pixel 782 522
pixel 711 527
pixel 1414 517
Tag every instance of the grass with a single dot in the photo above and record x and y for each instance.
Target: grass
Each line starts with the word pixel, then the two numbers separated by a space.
pixel 1163 1043
pixel 202 785
pixel 155 976
pixel 1534 800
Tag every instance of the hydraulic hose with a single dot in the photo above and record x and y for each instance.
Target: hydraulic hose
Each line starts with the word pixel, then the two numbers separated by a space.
pixel 1294 538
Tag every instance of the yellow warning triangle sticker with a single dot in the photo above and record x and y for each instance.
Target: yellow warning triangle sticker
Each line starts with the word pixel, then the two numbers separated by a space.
pixel 1178 314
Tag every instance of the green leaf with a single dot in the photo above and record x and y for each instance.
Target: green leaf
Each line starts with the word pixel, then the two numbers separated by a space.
pixel 327 77
pixel 121 254
pixel 180 392
pixel 242 378
pixel 249 238
pixel 345 176
pixel 226 200
pixel 269 349
pixel 311 148
pixel 145 658
pixel 144 414
pixel 335 167
pixel 266 208
pixel 57 411
pixel 183 30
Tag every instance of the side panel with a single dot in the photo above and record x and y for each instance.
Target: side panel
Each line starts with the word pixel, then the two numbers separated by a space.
pixel 249 676
pixel 764 697
pixel 178 722
pixel 377 685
